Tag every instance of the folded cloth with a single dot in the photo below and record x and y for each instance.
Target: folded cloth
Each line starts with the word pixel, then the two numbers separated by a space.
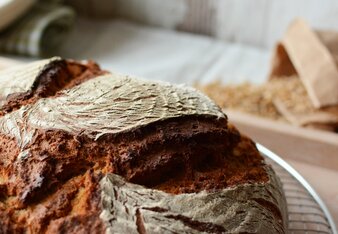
pixel 40 32
pixel 10 10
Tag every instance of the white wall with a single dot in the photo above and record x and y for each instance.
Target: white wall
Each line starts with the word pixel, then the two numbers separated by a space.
pixel 254 22
pixel 262 22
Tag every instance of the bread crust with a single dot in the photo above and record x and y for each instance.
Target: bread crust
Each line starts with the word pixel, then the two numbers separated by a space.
pixel 72 154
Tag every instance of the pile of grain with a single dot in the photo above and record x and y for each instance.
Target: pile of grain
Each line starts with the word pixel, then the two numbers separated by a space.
pixel 259 99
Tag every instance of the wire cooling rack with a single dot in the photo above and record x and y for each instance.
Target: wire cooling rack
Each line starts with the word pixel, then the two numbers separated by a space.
pixel 306 210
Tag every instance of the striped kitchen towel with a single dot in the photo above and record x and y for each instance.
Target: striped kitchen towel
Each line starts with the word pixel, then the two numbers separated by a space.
pixel 40 32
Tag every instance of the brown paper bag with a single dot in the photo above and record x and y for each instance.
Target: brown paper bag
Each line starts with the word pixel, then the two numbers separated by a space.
pixel 326 119
pixel 313 56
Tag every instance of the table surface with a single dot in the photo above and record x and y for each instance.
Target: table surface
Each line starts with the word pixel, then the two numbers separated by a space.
pixel 160 54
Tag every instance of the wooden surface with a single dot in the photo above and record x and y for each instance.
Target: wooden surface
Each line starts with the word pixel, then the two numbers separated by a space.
pixel 171 56
pixel 311 146
pixel 313 153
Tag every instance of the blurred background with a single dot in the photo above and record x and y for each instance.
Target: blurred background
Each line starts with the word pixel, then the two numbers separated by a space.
pixel 173 40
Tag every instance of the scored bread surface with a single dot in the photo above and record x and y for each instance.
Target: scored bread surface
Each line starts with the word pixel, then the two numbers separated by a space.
pixel 21 78
pixel 117 154
pixel 232 210
pixel 109 104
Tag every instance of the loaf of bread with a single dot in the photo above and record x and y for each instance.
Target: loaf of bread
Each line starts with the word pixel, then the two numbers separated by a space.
pixel 87 151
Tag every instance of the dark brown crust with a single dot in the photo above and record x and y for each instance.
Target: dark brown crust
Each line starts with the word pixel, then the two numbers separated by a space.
pixel 56 76
pixel 185 155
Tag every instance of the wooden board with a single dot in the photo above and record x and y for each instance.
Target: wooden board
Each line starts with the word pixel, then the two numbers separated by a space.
pixel 311 146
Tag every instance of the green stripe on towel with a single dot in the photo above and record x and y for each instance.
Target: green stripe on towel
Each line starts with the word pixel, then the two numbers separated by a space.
pixel 40 32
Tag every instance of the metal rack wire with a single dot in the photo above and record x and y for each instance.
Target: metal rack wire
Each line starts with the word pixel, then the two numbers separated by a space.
pixel 307 212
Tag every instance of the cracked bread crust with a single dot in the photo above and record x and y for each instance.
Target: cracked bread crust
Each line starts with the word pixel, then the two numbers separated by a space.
pixel 61 151
pixel 26 84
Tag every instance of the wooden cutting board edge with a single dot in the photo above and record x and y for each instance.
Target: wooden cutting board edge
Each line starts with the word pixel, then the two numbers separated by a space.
pixel 311 146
